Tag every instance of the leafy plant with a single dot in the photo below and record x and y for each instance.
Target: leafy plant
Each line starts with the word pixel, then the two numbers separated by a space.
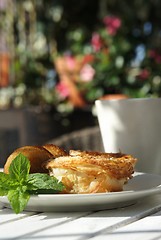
pixel 18 185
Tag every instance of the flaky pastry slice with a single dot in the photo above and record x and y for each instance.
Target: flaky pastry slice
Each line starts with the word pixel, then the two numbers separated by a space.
pixel 92 173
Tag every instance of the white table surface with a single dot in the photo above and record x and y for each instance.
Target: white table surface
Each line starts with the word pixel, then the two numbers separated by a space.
pixel 138 221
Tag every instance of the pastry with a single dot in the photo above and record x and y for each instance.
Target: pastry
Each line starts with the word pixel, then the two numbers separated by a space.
pixel 92 172
pixel 37 155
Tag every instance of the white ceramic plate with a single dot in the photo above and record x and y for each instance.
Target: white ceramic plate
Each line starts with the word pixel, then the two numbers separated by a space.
pixel 140 186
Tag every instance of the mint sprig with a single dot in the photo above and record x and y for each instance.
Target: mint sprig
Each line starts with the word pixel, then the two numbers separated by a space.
pixel 19 185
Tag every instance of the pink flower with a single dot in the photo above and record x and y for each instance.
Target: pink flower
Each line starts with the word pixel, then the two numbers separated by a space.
pixel 112 24
pixel 96 41
pixel 71 62
pixel 62 89
pixel 87 73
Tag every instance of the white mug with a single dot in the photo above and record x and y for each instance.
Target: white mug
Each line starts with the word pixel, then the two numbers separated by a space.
pixel 132 126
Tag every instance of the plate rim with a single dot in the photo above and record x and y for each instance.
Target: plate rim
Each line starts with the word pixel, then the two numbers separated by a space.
pixel 86 202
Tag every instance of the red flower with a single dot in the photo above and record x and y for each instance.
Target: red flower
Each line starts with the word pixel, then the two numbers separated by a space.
pixel 96 41
pixel 88 59
pixel 112 24
pixel 144 74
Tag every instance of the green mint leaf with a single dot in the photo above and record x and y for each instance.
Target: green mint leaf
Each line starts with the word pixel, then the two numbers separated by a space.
pixel 6 183
pixel 18 199
pixel 18 185
pixel 40 181
pixel 19 168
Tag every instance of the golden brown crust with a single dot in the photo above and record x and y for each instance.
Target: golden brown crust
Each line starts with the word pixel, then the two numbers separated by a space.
pixel 117 168
pixel 94 153
pixel 56 151
pixel 100 155
pixel 36 154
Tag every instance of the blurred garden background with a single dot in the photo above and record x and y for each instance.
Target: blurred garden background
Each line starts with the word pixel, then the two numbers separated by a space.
pixel 58 56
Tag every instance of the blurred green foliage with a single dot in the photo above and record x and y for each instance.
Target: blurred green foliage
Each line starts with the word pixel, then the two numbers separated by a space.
pixel 37 31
